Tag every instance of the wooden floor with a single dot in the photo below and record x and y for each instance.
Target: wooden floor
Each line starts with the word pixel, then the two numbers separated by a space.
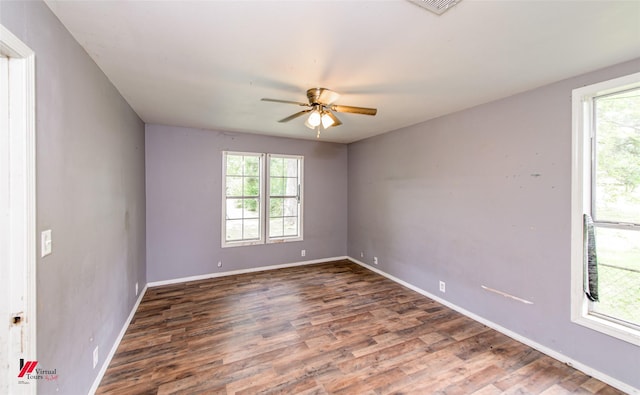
pixel 327 328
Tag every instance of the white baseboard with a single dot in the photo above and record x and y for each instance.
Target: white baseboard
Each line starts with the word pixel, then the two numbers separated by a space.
pixel 543 349
pixel 107 361
pixel 242 271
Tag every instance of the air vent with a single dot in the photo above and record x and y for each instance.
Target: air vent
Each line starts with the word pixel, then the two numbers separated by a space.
pixel 436 6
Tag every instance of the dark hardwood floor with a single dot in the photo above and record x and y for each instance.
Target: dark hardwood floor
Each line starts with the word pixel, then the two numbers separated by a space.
pixel 326 328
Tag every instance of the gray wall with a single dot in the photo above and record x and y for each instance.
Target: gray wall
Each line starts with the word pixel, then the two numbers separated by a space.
pixel 90 192
pixel 482 197
pixel 184 197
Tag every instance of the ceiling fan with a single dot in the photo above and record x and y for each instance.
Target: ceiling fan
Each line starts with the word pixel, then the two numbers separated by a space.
pixel 320 109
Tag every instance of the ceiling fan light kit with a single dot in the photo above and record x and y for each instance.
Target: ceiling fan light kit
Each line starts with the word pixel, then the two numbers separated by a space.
pixel 314 118
pixel 327 121
pixel 321 108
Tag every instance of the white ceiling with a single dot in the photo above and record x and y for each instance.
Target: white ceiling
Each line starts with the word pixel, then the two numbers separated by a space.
pixel 207 64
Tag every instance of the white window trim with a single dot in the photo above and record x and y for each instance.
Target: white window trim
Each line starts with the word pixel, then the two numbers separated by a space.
pixel 265 189
pixel 261 214
pixel 582 118
pixel 285 239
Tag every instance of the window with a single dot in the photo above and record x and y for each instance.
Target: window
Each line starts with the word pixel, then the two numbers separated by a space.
pixel 606 187
pixel 242 203
pixel 249 186
pixel 285 179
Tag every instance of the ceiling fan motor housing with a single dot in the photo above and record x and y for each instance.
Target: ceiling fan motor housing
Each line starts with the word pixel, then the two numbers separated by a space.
pixel 314 95
pixel 322 96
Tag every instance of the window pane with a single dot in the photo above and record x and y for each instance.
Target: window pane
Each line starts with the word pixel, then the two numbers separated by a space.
pixel 290 167
pixel 276 186
pixel 251 186
pixel 234 209
pixel 275 227
pixel 290 207
pixel 251 166
pixel 234 186
pixel 276 167
pixel 251 208
pixel 618 274
pixel 234 165
pixel 251 229
pixel 234 230
pixel 291 226
pixel 276 208
pixel 292 187
pixel 617 178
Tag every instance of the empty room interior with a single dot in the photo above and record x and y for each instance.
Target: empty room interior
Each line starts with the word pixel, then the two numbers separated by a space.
pixel 358 197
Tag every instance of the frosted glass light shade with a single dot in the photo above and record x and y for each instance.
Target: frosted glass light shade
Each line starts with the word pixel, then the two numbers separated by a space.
pixel 327 121
pixel 314 119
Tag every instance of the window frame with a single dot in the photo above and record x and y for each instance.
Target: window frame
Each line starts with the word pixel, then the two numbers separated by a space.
pixel 299 236
pixel 264 214
pixel 582 165
pixel 261 206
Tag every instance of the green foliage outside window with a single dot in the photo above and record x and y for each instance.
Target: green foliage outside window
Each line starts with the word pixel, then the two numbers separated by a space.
pixel 617 199
pixel 243 180
pixel 618 157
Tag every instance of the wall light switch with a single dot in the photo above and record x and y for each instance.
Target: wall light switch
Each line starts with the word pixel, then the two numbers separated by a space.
pixel 45 243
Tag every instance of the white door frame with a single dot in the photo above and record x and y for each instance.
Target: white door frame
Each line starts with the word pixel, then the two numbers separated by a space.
pixel 19 232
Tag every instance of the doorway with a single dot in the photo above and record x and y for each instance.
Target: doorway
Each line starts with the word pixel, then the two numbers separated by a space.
pixel 17 213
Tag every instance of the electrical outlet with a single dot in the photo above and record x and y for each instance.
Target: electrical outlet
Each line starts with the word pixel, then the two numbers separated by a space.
pixel 95 357
pixel 442 287
pixel 303 253
pixel 219 263
pixel 136 288
pixel 361 254
pixel 375 260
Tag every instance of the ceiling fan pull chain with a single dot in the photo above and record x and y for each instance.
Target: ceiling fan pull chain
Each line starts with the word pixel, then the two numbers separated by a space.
pixel 318 135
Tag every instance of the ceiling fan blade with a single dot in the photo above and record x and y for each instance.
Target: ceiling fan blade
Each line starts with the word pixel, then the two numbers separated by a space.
pixel 286 101
pixel 294 116
pixel 354 110
pixel 336 121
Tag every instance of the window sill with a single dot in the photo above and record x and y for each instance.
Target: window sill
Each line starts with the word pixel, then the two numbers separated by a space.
pixel 284 240
pixel 610 328
pixel 241 243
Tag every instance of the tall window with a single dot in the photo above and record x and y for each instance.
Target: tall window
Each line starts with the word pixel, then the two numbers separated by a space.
pixel 242 205
pixel 285 179
pixel 249 187
pixel 606 187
